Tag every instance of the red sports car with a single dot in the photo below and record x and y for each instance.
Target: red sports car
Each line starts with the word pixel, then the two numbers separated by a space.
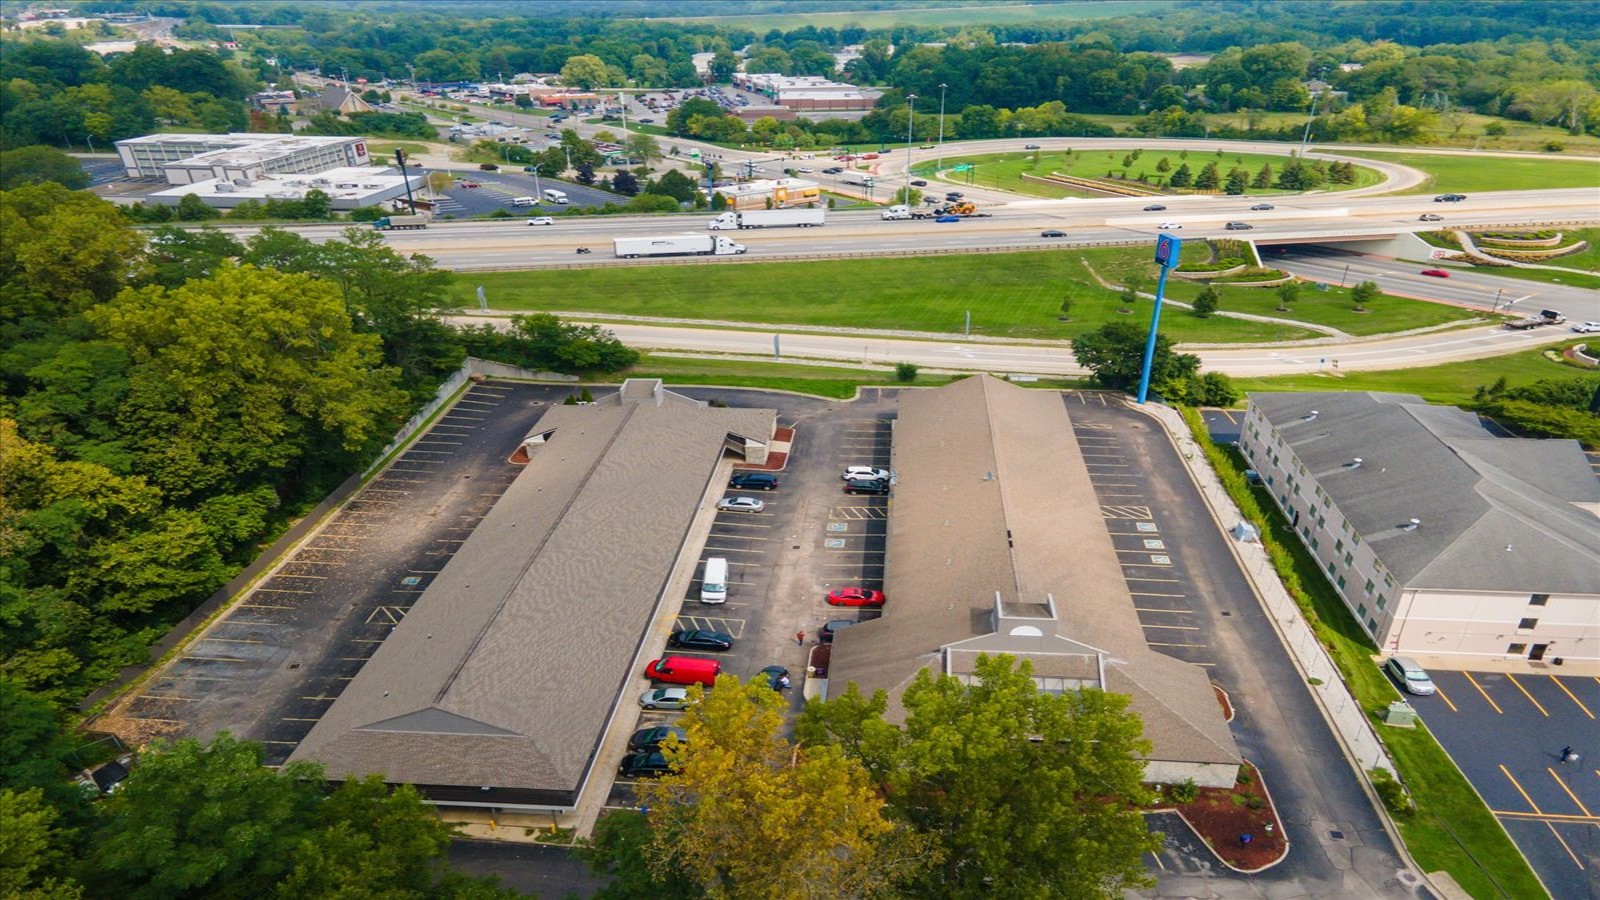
pixel 855 596
pixel 1436 273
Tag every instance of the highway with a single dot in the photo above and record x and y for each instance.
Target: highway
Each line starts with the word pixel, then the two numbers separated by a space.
pixel 1463 287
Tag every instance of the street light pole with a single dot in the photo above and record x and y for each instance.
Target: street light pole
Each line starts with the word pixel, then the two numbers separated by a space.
pixel 1310 117
pixel 911 118
pixel 938 162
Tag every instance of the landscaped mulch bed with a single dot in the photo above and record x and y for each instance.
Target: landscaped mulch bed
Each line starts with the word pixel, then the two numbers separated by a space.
pixel 1223 816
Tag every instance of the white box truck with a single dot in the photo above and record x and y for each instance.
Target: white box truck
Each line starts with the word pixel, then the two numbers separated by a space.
pixel 552 195
pixel 714 583
pixel 676 245
pixel 770 218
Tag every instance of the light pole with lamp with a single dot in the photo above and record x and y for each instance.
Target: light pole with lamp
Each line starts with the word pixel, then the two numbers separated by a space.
pixel 938 162
pixel 90 139
pixel 911 118
pixel 1311 116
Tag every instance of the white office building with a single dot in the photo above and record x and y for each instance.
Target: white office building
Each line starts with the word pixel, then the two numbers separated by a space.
pixel 192 158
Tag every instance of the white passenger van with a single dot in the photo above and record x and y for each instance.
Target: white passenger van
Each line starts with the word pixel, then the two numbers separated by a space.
pixel 524 201
pixel 714 583
pixel 554 196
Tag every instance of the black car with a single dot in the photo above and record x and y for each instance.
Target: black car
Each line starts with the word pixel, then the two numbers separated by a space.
pixel 953 195
pixel 1052 233
pixel 918 182
pixel 832 170
pixel 866 486
pixel 644 765
pixel 1450 198
pixel 649 740
pixel 1155 207
pixel 753 481
pixel 833 627
pixel 700 639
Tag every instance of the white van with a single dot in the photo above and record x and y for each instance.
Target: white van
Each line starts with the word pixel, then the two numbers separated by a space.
pixel 714 583
pixel 524 201
pixel 555 196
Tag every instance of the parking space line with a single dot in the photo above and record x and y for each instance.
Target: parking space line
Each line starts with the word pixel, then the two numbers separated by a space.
pixel 267 590
pixel 1514 783
pixel 1439 692
pixel 1127 512
pixel 434 452
pixel 233 659
pixel 218 640
pixel 1474 683
pixel 1170 627
pixel 263 606
pixel 169 697
pixel 1561 783
pixel 1160 644
pixel 1571 695
pixel 1536 704
pixel 1128 577
pixel 1562 841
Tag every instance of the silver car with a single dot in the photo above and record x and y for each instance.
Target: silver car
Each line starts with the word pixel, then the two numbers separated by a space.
pixel 741 504
pixel 1412 677
pixel 665 698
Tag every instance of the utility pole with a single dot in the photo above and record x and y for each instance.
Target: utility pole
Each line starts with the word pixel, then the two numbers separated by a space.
pixel 939 158
pixel 911 118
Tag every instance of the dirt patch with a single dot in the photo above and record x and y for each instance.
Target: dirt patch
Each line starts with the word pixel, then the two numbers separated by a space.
pixel 1239 824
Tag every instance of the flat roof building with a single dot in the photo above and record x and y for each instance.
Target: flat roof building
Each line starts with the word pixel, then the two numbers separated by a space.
pixel 347 188
pixel 498 687
pixel 996 544
pixel 783 192
pixel 1448 542
pixel 190 158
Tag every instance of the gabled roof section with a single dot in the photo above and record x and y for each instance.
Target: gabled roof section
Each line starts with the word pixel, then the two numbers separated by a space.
pixel 1493 513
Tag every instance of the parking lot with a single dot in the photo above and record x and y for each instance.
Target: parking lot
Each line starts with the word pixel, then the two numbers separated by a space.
pixel 496 189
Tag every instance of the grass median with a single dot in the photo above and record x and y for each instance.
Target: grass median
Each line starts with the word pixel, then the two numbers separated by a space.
pixel 1466 173
pixel 1010 295
pixel 1004 171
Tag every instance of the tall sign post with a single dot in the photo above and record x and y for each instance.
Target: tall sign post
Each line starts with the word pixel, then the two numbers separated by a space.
pixel 1167 254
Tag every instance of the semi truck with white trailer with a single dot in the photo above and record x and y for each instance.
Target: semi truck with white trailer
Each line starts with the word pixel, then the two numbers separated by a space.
pixel 770 218
pixel 676 245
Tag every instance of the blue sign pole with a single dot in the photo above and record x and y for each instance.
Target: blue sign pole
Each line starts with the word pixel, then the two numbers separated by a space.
pixel 1168 252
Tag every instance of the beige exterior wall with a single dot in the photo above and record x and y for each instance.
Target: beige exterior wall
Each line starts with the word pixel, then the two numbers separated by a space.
pixel 1209 775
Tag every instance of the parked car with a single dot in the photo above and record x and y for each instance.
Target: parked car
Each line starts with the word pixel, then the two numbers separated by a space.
pixel 1436 273
pixel 1052 233
pixel 855 596
pixel 1430 217
pixel 1155 207
pixel 948 219
pixel 665 698
pixel 1238 226
pixel 1169 226
pixel 1412 677
pixel 653 738
pixel 1586 327
pixel 831 628
pixel 741 504
pixel 753 481
pixel 1030 146
pixel 648 764
pixel 776 677
pixel 541 220
pixel 1450 198
pixel 866 486
pixel 683 670
pixel 872 472
pixel 700 639
pixel 1262 207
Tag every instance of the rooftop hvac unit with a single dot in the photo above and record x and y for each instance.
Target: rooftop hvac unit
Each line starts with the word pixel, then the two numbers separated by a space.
pixel 370 187
pixel 345 185
pixel 224 188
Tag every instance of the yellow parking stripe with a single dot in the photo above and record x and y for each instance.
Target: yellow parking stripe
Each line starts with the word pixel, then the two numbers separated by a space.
pixel 1536 704
pixel 1572 695
pixel 1563 785
pixel 1485 693
pixel 1507 772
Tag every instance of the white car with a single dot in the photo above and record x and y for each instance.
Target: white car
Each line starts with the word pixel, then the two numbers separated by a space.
pixel 1586 327
pixel 742 504
pixel 665 698
pixel 1170 226
pixel 865 473
pixel 803 170
pixel 541 220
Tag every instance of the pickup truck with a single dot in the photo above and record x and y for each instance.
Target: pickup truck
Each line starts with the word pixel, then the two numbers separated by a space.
pixel 1545 317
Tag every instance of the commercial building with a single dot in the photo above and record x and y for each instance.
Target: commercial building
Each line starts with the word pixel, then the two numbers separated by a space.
pixel 782 192
pixel 191 158
pixel 808 92
pixel 1448 541
pixel 996 544
pixel 500 684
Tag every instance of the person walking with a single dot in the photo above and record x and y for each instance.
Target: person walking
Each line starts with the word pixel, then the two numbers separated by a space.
pixel 800 638
pixel 1568 754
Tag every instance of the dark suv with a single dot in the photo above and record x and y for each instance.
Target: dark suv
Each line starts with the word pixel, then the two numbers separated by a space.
pixel 866 486
pixel 753 481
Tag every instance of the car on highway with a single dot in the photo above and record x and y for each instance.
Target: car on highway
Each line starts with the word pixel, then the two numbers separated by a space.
pixel 832 170
pixel 1430 217
pixel 924 146
pixel 1155 207
pixel 1238 226
pixel 1169 226
pixel 869 156
pixel 1450 198
pixel 741 504
pixel 1030 146
pixel 832 627
pixel 541 220
pixel 866 486
pixel 700 639
pixel 753 481
pixel 468 184
pixel 652 738
pixel 804 170
pixel 648 764
pixel 855 596
pixel 918 182
pixel 1052 233
pixel 1436 273
pixel 1411 676
pixel 665 698
pixel 1262 207
pixel 872 472
pixel 948 219
pixel 1586 327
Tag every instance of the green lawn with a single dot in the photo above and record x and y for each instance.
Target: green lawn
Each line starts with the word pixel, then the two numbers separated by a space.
pixel 943 16
pixel 1475 173
pixel 1012 295
pixel 1450 384
pixel 1005 170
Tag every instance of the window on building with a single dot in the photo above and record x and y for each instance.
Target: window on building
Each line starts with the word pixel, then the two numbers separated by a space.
pixel 1361 610
pixel 1527 624
pixel 1331 570
pixel 1313 543
pixel 1370 586
pixel 1341 580
pixel 1516 649
pixel 1372 625
pixel 1338 546
pixel 1539 599
pixel 1383 602
pixel 1349 559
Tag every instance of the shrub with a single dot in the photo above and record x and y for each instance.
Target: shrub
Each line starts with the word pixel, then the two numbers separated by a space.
pixel 1186 792
pixel 1394 795
pixel 905 372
